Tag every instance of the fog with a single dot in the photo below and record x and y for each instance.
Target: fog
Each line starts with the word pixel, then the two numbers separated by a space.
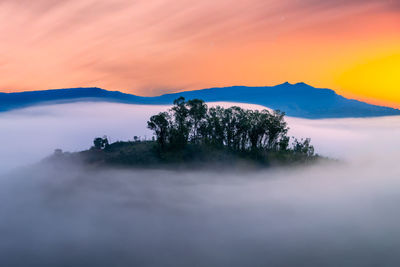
pixel 28 135
pixel 338 214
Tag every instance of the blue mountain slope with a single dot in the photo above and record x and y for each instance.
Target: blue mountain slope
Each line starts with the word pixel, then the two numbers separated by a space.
pixel 297 100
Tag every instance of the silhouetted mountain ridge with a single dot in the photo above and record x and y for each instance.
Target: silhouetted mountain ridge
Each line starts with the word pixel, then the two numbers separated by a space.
pixel 297 100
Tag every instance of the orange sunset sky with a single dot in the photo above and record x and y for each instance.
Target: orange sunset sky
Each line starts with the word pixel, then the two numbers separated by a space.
pixel 150 47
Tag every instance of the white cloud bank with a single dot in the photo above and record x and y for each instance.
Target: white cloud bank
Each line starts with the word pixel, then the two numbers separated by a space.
pixel 28 135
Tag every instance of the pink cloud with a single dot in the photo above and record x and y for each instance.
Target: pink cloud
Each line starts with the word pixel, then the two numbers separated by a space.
pixel 152 46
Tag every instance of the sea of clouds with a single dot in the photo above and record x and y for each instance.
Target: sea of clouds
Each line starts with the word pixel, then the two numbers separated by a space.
pixel 339 214
pixel 28 135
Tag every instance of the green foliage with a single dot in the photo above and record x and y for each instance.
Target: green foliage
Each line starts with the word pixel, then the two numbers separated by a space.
pixel 160 124
pixel 191 135
pixel 197 115
pixel 100 143
pixel 234 128
pixel 303 147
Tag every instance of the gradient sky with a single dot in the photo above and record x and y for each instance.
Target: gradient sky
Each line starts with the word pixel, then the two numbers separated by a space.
pixel 150 47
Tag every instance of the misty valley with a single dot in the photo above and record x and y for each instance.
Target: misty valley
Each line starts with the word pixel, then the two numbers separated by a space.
pixel 84 207
pixel 212 133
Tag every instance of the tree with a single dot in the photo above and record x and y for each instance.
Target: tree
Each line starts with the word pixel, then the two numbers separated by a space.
pixel 160 124
pixel 303 147
pixel 100 142
pixel 284 143
pixel 276 129
pixel 213 129
pixel 228 122
pixel 234 128
pixel 180 129
pixel 257 128
pixel 197 115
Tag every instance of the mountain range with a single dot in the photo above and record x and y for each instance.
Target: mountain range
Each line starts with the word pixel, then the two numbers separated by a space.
pixel 297 100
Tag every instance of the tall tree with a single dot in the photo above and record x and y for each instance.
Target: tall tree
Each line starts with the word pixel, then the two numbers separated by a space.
pixel 197 115
pixel 276 129
pixel 181 126
pixel 160 124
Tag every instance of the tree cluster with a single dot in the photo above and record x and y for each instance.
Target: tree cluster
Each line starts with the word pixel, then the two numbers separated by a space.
pixel 192 122
pixel 100 143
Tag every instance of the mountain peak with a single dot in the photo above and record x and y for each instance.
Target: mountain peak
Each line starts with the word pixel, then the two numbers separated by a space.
pixel 285 84
pixel 302 84
pixel 299 84
pixel 298 100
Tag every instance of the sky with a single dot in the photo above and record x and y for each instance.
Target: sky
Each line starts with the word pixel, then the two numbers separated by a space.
pixel 153 47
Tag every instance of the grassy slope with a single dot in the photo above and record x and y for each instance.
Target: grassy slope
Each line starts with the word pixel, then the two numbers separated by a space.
pixel 147 155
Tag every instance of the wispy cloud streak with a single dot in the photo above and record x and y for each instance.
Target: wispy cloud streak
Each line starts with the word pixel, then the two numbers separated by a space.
pixel 151 46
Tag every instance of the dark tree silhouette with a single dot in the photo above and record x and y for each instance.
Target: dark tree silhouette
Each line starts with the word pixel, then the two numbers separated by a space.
pixel 197 115
pixel 180 127
pixel 100 142
pixel 237 129
pixel 160 124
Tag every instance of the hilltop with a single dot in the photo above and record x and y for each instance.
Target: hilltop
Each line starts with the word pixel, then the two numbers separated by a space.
pixel 191 135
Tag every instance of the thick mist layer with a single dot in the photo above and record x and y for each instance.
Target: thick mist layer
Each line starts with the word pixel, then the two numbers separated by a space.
pixel 28 135
pixel 338 214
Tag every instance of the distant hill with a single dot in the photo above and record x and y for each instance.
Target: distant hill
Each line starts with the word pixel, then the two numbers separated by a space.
pixel 297 100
